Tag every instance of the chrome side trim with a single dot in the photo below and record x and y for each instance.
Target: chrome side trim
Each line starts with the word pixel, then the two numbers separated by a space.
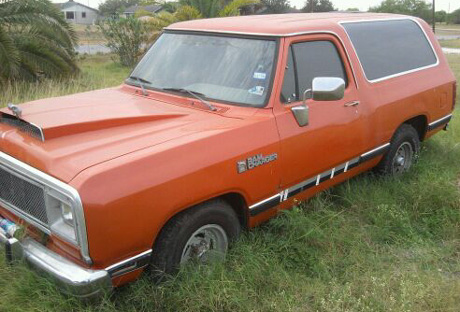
pixel 440 120
pixel 30 173
pixel 139 261
pixel 316 180
pixel 278 36
pixel 265 200
pixel 375 150
pixel 390 19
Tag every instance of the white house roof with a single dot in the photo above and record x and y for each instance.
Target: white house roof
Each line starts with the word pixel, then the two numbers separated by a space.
pixel 64 5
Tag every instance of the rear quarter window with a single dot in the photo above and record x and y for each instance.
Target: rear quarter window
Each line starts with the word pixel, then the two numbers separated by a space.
pixel 391 47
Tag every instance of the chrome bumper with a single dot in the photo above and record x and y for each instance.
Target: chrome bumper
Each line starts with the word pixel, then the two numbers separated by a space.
pixel 73 279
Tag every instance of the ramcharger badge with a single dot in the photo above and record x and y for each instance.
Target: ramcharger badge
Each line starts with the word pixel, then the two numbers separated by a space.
pixel 255 161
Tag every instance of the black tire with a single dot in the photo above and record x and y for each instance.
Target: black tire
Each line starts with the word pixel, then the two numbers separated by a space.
pixel 404 137
pixel 169 246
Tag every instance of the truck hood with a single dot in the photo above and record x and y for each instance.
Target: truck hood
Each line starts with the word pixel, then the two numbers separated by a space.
pixel 82 130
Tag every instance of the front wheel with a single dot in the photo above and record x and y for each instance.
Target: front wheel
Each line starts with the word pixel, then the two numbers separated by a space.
pixel 200 234
pixel 404 147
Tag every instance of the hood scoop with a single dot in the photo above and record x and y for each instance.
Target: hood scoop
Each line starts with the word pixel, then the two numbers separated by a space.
pixel 80 126
pixel 55 131
pixel 103 111
pixel 24 126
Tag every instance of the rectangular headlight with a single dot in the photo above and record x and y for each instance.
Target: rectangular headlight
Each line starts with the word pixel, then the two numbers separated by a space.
pixel 61 216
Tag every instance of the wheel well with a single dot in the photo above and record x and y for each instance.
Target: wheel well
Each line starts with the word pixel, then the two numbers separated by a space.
pixel 420 124
pixel 238 203
pixel 235 200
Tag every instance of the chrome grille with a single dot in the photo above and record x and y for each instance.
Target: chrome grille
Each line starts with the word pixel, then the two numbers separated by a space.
pixel 23 126
pixel 27 197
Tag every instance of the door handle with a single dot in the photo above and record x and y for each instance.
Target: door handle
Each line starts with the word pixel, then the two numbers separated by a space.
pixel 352 103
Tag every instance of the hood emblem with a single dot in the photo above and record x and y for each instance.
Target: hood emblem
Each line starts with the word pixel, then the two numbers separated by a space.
pixel 15 109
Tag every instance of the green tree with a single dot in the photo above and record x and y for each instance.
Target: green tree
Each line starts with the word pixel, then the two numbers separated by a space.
pixel 418 8
pixel 318 6
pixel 195 9
pixel 125 37
pixel 35 41
pixel 352 9
pixel 440 16
pixel 454 17
pixel 217 8
pixel 276 6
pixel 111 7
pixel 170 7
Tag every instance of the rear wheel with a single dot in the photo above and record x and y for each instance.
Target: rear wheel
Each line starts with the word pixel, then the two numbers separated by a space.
pixel 404 147
pixel 200 234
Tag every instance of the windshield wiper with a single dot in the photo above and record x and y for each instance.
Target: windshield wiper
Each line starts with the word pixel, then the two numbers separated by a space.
pixel 194 94
pixel 141 82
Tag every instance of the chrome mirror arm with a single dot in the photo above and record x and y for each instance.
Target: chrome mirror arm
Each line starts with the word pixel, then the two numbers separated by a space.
pixel 307 96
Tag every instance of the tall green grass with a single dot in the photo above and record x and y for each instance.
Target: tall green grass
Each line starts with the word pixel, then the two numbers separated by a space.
pixel 97 72
pixel 369 244
pixel 454 43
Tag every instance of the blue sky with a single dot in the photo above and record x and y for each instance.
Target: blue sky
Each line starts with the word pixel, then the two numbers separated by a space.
pixel 341 4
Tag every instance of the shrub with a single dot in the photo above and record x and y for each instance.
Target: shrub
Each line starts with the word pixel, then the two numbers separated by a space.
pixel 126 37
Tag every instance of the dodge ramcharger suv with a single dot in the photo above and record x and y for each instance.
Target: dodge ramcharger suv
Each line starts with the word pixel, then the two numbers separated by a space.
pixel 223 123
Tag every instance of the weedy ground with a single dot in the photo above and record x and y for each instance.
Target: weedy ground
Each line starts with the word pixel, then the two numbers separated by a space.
pixel 369 244
pixel 97 71
pixel 455 43
pixel 449 29
pixel 89 34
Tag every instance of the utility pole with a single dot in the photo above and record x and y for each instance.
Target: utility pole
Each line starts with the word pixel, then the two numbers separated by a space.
pixel 313 3
pixel 434 18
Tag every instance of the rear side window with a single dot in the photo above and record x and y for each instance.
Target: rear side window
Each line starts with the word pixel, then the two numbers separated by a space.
pixel 387 48
pixel 308 60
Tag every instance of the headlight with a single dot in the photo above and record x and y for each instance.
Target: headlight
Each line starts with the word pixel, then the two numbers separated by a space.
pixel 61 218
pixel 67 213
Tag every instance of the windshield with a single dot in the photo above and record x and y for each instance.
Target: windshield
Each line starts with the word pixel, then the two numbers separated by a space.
pixel 229 69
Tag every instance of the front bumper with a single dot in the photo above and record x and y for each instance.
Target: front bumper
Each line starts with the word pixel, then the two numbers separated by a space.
pixel 69 277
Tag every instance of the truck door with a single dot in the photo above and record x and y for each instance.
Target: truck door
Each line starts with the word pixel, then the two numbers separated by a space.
pixel 335 132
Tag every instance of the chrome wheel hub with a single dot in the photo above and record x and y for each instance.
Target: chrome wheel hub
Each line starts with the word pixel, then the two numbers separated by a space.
pixel 400 160
pixel 208 243
pixel 403 158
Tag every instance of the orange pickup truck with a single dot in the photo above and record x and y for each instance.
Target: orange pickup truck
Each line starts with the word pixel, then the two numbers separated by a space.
pixel 223 123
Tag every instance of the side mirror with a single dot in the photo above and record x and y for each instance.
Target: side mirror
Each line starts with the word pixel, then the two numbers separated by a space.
pixel 328 89
pixel 323 89
pixel 301 114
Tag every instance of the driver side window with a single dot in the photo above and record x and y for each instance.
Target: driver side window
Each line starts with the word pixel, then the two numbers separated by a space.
pixel 306 61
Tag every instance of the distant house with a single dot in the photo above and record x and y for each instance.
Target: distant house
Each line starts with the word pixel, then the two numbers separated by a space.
pixel 78 13
pixel 154 8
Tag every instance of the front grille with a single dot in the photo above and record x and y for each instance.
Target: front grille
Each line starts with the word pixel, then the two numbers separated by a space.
pixel 26 197
pixel 22 125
